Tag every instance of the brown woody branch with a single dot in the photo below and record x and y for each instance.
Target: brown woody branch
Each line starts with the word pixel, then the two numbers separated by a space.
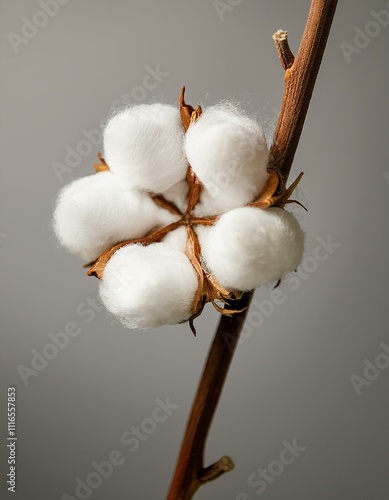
pixel 300 77
pixel 300 80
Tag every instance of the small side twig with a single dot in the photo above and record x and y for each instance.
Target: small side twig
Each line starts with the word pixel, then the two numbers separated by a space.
pixel 300 77
pixel 284 53
pixel 225 464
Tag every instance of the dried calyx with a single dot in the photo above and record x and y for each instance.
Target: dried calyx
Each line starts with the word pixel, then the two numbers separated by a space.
pixel 209 289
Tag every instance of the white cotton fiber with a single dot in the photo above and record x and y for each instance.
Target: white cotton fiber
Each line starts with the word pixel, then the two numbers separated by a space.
pixel 248 246
pixel 177 239
pixel 178 194
pixel 96 212
pixel 228 152
pixel 208 205
pixel 149 286
pixel 143 145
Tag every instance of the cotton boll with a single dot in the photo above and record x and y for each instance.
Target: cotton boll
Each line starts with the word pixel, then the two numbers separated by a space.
pixel 95 212
pixel 228 152
pixel 248 246
pixel 143 145
pixel 149 286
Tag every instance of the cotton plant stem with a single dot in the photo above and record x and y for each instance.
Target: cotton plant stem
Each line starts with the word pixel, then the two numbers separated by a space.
pixel 190 473
pixel 300 77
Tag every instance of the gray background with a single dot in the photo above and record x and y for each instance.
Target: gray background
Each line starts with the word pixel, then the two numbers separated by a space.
pixel 291 376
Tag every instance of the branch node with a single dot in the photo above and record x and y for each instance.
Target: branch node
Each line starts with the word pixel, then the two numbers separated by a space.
pixel 284 53
pixel 225 464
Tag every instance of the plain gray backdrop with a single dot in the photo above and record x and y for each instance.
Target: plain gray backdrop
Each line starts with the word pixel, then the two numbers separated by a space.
pixel 290 378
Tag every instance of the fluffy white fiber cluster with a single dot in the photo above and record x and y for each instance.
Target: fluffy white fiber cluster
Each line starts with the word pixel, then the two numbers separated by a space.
pixel 148 153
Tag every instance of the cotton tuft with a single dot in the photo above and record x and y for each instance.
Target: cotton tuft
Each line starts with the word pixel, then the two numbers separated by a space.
pixel 178 194
pixel 147 287
pixel 143 146
pixel 96 212
pixel 228 152
pixel 177 239
pixel 249 247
